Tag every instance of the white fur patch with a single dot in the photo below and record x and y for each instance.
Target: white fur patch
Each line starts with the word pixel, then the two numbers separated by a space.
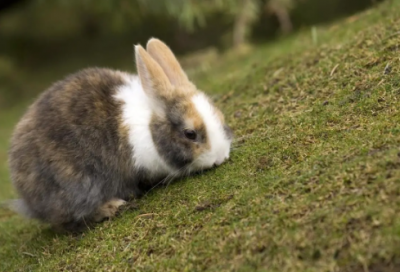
pixel 220 144
pixel 137 112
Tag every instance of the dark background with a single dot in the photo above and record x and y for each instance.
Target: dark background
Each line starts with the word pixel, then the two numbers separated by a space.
pixel 42 39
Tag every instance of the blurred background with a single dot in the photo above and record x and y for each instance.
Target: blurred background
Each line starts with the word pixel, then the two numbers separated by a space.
pixel 42 40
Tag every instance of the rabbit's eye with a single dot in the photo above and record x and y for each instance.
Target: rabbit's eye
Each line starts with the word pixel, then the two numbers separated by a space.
pixel 190 134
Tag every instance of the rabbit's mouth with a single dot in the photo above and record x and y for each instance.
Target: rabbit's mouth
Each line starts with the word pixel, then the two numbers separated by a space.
pixel 199 167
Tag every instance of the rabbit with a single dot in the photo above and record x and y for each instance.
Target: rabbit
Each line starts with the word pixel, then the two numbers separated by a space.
pixel 99 137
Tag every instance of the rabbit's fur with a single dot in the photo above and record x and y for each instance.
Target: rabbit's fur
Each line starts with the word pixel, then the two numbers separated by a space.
pixel 100 136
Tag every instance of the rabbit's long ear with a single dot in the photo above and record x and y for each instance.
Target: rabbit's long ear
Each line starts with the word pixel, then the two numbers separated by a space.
pixel 154 81
pixel 168 62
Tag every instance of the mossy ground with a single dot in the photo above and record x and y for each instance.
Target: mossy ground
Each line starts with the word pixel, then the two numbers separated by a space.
pixel 313 183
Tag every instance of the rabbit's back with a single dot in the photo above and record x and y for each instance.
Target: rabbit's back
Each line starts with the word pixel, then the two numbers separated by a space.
pixel 69 152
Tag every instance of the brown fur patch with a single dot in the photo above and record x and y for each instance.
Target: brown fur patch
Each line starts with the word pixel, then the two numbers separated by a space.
pixel 192 115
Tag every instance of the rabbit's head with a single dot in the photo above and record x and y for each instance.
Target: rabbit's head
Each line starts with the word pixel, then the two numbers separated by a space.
pixel 189 132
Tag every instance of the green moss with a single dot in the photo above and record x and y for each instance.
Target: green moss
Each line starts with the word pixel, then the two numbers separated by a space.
pixel 312 183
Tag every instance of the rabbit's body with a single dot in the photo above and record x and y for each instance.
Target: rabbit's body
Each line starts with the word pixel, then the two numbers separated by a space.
pixel 99 136
pixel 85 158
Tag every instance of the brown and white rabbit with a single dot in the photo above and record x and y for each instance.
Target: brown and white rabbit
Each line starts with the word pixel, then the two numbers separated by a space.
pixel 99 136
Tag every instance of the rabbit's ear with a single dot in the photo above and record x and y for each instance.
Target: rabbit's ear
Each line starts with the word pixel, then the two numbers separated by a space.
pixel 168 62
pixel 154 81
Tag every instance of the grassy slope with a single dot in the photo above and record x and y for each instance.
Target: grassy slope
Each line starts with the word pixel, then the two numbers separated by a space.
pixel 313 183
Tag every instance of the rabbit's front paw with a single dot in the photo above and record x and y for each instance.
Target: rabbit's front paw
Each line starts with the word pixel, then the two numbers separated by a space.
pixel 109 209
